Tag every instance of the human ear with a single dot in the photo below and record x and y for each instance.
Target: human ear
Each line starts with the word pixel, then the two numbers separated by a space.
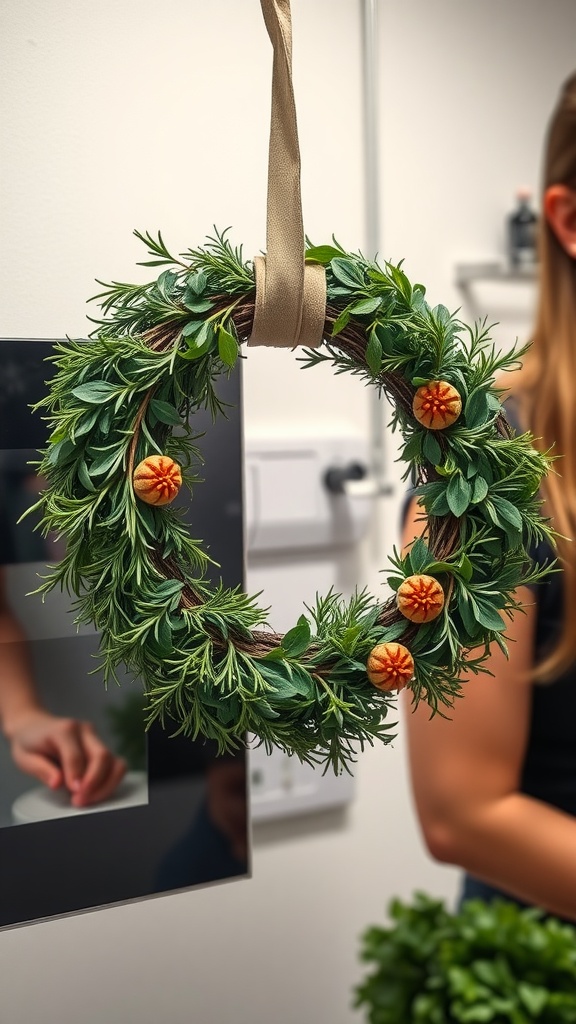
pixel 560 212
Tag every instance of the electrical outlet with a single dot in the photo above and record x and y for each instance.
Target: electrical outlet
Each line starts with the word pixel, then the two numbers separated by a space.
pixel 281 786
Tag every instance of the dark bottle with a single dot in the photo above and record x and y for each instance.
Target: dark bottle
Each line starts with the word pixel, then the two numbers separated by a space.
pixel 523 232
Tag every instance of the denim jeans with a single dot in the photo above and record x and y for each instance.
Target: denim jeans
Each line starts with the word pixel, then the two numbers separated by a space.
pixel 474 889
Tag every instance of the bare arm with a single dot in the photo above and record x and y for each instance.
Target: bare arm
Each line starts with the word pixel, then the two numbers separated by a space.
pixel 466 776
pixel 17 691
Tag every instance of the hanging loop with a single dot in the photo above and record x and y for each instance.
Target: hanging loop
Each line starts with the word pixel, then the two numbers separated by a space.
pixel 290 304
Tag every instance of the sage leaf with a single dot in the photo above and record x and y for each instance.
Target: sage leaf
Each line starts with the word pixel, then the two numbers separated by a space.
pixel 477 409
pixel 84 476
pixel 465 568
pixel 341 321
pixel 196 283
pixel 276 654
pixel 165 283
pixel 163 635
pixel 322 254
pixel 95 392
pixel 439 506
pixel 413 448
pixel 374 353
pixel 419 555
pixel 192 328
pixel 60 452
pixel 507 511
pixel 345 271
pixel 479 490
pixel 165 412
pixel 201 343
pixel 106 462
pixel 431 449
pixel 488 616
pixel 297 640
pixel 365 306
pixel 227 347
pixel 468 616
pixel 458 494
pixel 196 305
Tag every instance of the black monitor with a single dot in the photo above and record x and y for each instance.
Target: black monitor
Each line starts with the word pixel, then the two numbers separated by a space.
pixel 179 817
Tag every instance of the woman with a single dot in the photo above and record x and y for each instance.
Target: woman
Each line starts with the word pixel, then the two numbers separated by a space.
pixel 495 785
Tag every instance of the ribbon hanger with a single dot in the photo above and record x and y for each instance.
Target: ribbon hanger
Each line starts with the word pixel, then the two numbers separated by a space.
pixel 290 303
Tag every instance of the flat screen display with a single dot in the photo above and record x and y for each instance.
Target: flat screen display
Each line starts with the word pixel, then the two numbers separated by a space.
pixel 178 816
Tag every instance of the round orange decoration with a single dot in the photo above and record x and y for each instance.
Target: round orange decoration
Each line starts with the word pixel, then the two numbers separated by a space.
pixel 420 598
pixel 390 666
pixel 157 480
pixel 437 405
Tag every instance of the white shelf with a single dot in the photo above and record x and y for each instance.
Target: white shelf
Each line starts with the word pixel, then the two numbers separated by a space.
pixel 494 271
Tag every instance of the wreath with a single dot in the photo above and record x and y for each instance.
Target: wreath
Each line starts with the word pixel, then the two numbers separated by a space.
pixel 121 410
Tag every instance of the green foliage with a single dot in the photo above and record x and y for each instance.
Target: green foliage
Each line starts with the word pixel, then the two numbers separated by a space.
pixel 127 724
pixel 488 962
pixel 136 573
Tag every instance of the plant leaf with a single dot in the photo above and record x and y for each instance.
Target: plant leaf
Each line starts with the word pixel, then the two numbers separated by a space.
pixel 341 321
pixel 479 490
pixel 297 640
pixel 458 494
pixel 322 254
pixel 196 305
pixel 227 347
pixel 431 449
pixel 95 392
pixel 508 512
pixel 84 476
pixel 374 353
pixel 419 555
pixel 365 306
pixel 197 282
pixel 346 272
pixel 165 412
pixel 477 409
pixel 488 616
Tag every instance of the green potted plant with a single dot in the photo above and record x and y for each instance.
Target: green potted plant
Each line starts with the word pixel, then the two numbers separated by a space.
pixel 487 963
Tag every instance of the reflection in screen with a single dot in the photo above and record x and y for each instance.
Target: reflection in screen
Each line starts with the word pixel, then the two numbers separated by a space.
pixel 180 813
pixel 69 745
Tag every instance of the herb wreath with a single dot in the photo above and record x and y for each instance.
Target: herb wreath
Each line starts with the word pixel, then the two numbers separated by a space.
pixel 114 461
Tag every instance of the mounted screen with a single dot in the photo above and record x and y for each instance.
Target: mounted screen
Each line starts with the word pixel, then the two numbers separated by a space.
pixel 178 816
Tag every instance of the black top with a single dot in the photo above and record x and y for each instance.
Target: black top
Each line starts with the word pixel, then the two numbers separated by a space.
pixel 549 769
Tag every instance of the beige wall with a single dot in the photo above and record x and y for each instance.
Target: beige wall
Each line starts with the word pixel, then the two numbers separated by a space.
pixel 129 113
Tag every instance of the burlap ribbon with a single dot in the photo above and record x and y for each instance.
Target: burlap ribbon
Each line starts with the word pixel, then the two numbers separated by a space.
pixel 290 296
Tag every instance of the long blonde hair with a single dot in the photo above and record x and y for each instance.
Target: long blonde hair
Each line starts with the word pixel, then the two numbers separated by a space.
pixel 547 383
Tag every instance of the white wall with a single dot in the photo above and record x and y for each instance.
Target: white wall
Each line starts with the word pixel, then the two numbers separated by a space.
pixel 128 114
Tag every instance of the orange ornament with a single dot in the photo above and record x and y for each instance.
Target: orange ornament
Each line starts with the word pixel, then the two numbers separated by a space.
pixel 420 598
pixel 437 405
pixel 157 480
pixel 390 666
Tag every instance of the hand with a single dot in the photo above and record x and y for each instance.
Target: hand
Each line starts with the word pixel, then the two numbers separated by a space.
pixel 65 752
